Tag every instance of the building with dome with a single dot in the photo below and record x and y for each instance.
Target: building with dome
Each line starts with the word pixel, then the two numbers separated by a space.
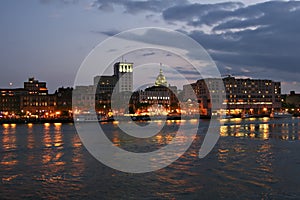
pixel 161 79
pixel 160 94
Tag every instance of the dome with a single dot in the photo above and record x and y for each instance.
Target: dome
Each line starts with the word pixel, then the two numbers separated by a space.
pixel 161 79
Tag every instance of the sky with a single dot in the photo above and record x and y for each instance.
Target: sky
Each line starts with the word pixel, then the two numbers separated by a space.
pixel 49 39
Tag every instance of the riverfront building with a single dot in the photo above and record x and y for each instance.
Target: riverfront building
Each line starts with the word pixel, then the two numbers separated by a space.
pixel 101 92
pixel 10 100
pixel 293 100
pixel 158 94
pixel 32 100
pixel 243 96
pixel 123 71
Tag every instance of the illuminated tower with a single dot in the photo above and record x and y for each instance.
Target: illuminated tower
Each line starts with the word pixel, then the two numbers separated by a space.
pixel 124 73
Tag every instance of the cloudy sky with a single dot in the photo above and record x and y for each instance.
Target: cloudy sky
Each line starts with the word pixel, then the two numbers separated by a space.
pixel 49 39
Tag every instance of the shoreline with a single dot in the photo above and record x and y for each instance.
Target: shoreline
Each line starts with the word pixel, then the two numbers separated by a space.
pixel 71 120
pixel 35 121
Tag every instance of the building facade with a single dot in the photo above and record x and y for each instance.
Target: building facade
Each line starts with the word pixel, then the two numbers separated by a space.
pixel 293 100
pixel 10 100
pixel 38 101
pixel 32 100
pixel 124 75
pixel 64 100
pixel 159 94
pixel 118 86
pixel 84 97
pixel 253 96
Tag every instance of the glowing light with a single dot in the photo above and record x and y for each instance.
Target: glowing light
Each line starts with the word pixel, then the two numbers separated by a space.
pixel 57 124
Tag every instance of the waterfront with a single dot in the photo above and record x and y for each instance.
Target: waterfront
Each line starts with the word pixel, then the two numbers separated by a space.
pixel 254 158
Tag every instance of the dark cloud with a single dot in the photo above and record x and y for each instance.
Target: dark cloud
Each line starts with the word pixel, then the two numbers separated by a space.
pixel 135 6
pixel 149 54
pixel 107 33
pixel 192 13
pixel 264 35
pixel 150 16
pixel 59 1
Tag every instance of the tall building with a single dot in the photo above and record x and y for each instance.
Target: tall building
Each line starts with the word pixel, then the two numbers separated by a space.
pixel 124 74
pixel 101 92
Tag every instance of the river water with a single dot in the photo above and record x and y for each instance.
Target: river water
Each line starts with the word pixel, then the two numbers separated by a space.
pixel 253 159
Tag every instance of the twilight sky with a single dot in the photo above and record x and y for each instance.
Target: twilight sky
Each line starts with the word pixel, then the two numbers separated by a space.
pixel 49 39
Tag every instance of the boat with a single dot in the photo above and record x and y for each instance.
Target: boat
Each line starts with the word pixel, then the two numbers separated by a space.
pixel 227 116
pixel 174 116
pixel 245 116
pixel 141 118
pixel 281 115
pixel 86 117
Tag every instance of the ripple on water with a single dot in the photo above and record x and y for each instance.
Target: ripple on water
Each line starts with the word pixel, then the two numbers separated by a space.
pixel 251 162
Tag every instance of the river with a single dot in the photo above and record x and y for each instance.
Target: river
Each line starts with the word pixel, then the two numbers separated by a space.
pixel 253 159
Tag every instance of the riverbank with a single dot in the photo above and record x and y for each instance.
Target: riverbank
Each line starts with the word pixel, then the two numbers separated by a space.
pixel 36 121
pixel 140 118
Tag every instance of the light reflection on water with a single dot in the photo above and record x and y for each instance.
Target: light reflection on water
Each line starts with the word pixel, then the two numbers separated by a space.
pixel 250 160
pixel 9 145
pixel 268 129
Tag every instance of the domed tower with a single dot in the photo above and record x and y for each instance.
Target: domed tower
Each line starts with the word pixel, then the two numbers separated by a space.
pixel 161 79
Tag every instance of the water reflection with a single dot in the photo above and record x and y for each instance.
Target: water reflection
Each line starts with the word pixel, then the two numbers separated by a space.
pixel 223 155
pixel 9 145
pixel 58 141
pixel 78 167
pixel 257 159
pixel 30 137
pixel 53 149
pixel 38 155
pixel 264 129
pixel 116 138
pixel 49 161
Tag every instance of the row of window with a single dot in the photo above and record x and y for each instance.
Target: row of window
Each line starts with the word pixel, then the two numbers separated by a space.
pixel 155 98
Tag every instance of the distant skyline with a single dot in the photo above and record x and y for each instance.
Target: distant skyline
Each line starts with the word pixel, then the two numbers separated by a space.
pixel 49 39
